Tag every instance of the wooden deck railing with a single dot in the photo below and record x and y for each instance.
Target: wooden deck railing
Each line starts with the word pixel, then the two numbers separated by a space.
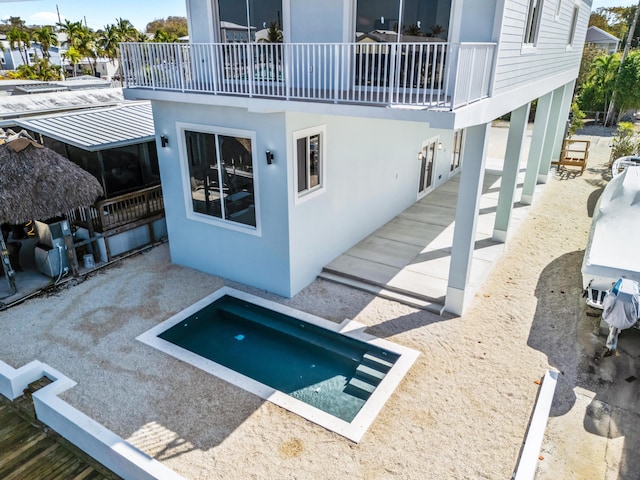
pixel 112 213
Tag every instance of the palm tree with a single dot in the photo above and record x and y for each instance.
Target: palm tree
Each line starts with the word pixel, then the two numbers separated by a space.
pixel 86 44
pixel 46 37
pixel 73 56
pixel 274 34
pixel 19 40
pixel 603 75
pixel 107 42
pixel 413 30
pixel 127 31
pixel 71 29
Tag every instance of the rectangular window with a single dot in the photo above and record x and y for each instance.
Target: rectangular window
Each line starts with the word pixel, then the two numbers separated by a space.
pixel 221 176
pixel 534 13
pixel 427 159
pixel 309 164
pixel 456 151
pixel 574 22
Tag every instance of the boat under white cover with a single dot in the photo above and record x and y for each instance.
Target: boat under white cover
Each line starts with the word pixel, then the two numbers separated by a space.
pixel 613 247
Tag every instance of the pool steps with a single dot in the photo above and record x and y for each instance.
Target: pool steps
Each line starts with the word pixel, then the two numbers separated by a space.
pixel 369 374
pixel 376 360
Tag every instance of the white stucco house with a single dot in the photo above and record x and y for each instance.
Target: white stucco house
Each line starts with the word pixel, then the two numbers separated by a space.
pixel 275 158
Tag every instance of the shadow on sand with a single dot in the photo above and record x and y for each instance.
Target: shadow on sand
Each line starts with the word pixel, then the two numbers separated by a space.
pixel 569 333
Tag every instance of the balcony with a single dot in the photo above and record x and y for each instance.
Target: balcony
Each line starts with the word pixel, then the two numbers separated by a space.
pixel 428 75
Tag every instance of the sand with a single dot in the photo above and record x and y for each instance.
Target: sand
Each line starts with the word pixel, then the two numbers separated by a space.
pixel 461 412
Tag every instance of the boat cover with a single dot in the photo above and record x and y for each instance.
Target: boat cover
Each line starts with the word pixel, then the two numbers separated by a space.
pixel 613 248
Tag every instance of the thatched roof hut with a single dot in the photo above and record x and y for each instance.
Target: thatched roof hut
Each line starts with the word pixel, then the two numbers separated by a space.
pixel 38 183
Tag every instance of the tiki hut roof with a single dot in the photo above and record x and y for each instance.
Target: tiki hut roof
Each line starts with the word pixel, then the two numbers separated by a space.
pixel 38 183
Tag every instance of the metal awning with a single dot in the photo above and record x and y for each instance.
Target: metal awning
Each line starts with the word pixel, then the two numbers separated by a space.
pixel 96 129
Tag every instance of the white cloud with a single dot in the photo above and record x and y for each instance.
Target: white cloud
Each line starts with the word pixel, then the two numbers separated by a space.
pixel 43 18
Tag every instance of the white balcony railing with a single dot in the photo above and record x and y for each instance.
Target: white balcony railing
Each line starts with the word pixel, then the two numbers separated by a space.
pixel 434 75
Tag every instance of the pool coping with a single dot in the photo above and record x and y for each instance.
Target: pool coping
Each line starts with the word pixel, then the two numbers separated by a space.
pixel 353 430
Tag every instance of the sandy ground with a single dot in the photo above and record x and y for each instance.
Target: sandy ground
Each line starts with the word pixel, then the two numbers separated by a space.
pixel 461 412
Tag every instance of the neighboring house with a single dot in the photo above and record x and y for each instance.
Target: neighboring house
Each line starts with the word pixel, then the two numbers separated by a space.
pixel 11 58
pixel 277 158
pixel 110 138
pixel 601 39
pixel 115 144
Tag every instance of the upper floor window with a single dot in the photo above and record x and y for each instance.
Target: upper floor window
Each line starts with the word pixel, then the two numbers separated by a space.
pixel 250 21
pixel 220 168
pixel 534 13
pixel 310 161
pixel 574 22
pixel 414 20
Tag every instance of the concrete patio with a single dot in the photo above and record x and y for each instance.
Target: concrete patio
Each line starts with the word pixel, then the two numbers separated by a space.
pixel 408 259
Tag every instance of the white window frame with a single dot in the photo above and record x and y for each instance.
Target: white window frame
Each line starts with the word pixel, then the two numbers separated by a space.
pixel 319 189
pixel 436 142
pixel 573 25
pixel 558 8
pixel 453 148
pixel 181 127
pixel 532 23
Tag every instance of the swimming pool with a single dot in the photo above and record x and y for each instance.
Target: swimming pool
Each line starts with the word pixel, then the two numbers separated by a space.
pixel 339 380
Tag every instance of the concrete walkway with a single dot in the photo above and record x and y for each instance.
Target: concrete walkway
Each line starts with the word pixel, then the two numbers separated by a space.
pixel 408 259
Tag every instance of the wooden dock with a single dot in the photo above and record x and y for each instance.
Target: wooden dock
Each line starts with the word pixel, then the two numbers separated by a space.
pixel 29 450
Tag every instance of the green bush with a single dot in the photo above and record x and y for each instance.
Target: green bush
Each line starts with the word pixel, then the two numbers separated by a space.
pixel 624 141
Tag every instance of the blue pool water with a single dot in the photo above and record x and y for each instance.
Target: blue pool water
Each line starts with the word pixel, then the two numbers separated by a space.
pixel 322 368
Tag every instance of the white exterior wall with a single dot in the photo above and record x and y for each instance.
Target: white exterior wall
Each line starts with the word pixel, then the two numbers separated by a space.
pixel 318 22
pixel 518 64
pixel 372 173
pixel 258 260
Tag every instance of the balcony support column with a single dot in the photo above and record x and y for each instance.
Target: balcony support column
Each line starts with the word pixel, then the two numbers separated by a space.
pixel 537 144
pixel 556 135
pixel 509 180
pixel 467 211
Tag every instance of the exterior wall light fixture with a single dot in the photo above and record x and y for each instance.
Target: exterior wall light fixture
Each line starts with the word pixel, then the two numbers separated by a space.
pixel 164 141
pixel 269 155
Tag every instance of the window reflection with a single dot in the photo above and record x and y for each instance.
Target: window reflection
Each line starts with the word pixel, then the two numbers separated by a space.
pixel 416 21
pixel 250 21
pixel 221 176
pixel 119 170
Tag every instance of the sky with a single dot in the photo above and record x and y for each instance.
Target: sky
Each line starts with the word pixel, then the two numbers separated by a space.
pixel 613 3
pixel 139 12
pixel 98 13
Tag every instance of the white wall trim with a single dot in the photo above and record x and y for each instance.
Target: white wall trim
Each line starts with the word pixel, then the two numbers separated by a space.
pixel 91 437
pixel 528 462
pixel 286 20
